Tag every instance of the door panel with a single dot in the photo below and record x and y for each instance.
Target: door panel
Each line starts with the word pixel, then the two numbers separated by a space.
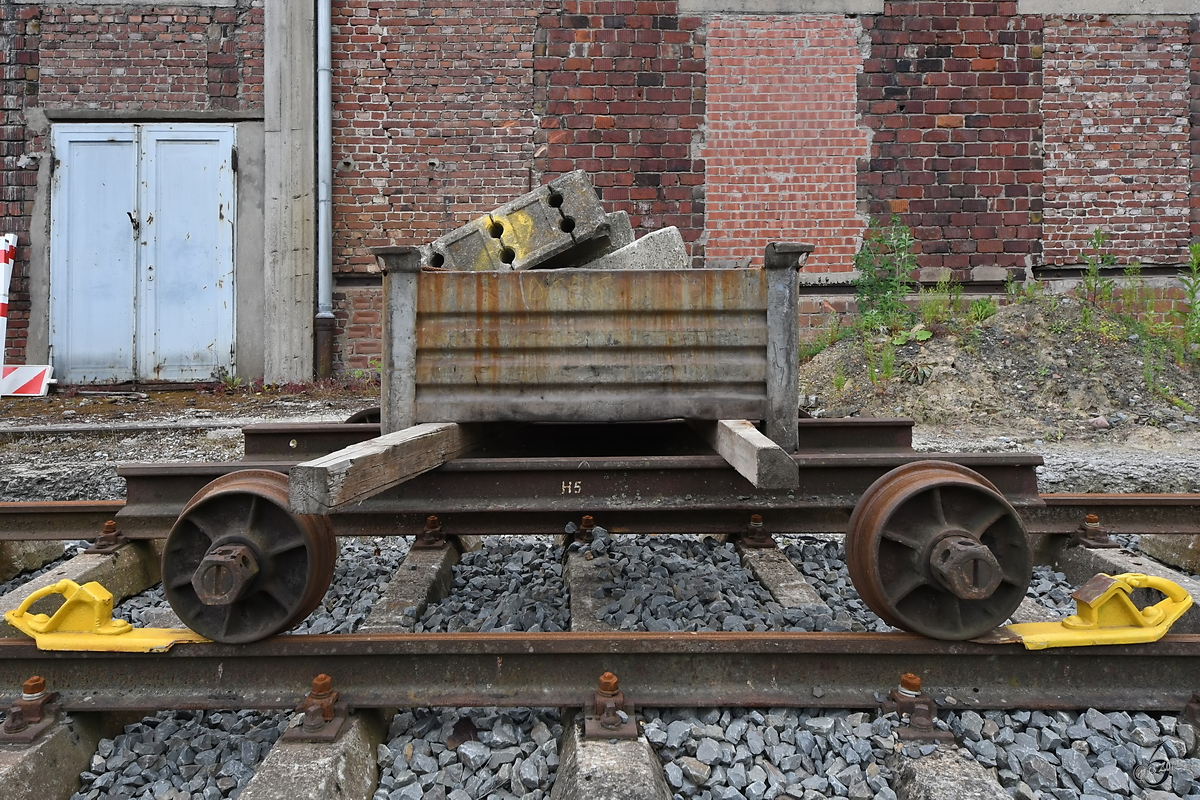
pixel 93 258
pixel 141 261
pixel 185 286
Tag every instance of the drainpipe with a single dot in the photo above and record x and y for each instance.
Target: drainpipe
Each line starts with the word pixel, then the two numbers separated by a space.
pixel 324 324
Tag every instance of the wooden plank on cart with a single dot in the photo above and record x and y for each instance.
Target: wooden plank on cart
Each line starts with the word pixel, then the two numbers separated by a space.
pixel 755 457
pixel 361 470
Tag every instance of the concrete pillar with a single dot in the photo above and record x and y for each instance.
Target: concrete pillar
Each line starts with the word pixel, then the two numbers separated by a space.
pixel 290 199
pixel 49 768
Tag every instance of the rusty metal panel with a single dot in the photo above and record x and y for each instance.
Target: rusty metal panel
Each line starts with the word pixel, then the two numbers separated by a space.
pixel 584 345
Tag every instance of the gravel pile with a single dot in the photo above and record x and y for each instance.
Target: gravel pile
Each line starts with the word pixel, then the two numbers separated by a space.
pixel 1052 590
pixel 822 562
pixel 363 570
pixel 70 550
pixel 1070 756
pixel 739 754
pixel 182 755
pixel 510 584
pixel 467 754
pixel 678 583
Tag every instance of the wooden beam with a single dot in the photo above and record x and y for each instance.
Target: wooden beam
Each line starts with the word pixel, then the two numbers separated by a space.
pixel 361 470
pixel 755 457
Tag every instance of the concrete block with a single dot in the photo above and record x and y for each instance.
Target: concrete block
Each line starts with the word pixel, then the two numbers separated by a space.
pixel 829 278
pixel 781 578
pixel 341 770
pixel 662 249
pixel 49 768
pixel 1080 564
pixel 1030 611
pixel 17 557
pixel 424 577
pixel 1178 551
pixel 943 775
pixel 583 577
pixel 607 769
pixel 688 7
pixel 989 274
pixel 130 570
pixel 524 232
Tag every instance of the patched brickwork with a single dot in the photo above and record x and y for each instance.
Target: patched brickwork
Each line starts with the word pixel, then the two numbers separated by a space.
pixel 952 91
pixel 620 93
pixel 1117 137
pixel 783 137
pixel 359 314
pixel 163 57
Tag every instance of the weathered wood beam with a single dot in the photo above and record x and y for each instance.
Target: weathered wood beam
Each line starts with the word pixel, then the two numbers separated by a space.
pixel 755 457
pixel 361 470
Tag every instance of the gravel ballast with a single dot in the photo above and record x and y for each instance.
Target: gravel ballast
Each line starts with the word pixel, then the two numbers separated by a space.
pixel 509 584
pixel 740 754
pixel 470 753
pixel 182 755
pixel 1083 756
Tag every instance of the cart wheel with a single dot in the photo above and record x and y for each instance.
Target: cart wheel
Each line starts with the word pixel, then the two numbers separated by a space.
pixel 239 567
pixel 366 415
pixel 934 548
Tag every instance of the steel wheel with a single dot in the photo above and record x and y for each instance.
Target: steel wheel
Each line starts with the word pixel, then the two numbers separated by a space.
pixel 934 548
pixel 238 567
pixel 366 415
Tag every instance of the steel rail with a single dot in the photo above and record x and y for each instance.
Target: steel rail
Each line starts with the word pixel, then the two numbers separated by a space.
pixel 839 670
pixel 1061 515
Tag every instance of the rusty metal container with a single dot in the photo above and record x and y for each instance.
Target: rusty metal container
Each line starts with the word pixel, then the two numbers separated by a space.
pixel 591 345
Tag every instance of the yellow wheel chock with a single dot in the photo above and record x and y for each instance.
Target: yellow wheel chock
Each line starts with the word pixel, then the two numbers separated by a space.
pixel 1105 614
pixel 85 622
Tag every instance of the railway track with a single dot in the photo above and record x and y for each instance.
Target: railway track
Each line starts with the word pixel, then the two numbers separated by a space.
pixel 680 489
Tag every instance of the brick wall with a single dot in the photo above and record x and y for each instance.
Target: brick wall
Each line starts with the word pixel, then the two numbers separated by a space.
pixel 783 137
pixel 951 91
pixel 1117 137
pixel 620 93
pixel 433 117
pixel 18 71
pixel 159 58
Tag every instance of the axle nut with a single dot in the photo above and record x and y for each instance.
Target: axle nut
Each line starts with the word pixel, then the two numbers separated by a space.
pixel 966 567
pixel 225 574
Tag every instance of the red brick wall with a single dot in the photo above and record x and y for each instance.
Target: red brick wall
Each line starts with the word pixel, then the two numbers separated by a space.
pixel 620 93
pixel 1117 137
pixel 359 327
pixel 433 119
pixel 166 58
pixel 18 65
pixel 783 137
pixel 951 91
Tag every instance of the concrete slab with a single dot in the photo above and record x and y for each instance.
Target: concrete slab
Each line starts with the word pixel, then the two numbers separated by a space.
pixel 129 570
pixel 943 775
pixel 781 578
pixel 1030 611
pixel 17 557
pixel 1177 551
pixel 424 577
pixel 583 577
pixel 341 770
pixel 606 769
pixel 49 768
pixel 1079 564
pixel 662 249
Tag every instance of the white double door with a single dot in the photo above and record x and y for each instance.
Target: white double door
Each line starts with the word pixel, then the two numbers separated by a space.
pixel 141 251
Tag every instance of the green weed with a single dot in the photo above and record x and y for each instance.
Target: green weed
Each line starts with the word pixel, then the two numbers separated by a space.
pixel 885 264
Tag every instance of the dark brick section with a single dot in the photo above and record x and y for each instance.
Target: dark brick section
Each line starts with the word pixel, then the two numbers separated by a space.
pixel 1194 119
pixel 18 80
pixel 952 92
pixel 620 93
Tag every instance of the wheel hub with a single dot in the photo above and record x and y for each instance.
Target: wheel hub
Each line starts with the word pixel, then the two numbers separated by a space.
pixel 225 574
pixel 966 567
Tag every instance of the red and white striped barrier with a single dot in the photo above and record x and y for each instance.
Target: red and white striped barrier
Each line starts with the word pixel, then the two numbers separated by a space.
pixel 19 381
